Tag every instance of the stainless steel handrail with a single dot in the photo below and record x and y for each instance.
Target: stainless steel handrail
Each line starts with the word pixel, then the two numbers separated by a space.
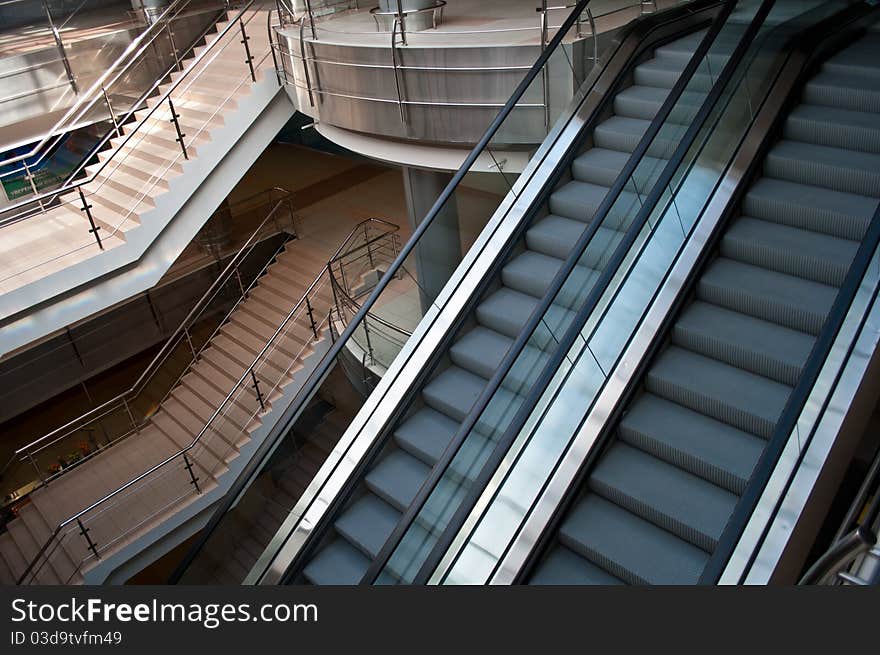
pixel 101 410
pixel 125 399
pixel 77 186
pixel 181 453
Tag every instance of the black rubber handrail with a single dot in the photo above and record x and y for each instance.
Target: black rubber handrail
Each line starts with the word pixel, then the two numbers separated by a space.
pixel 512 356
pixel 329 359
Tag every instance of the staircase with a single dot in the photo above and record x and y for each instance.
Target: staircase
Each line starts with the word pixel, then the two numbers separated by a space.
pixel 656 502
pixel 362 527
pixel 180 417
pixel 139 188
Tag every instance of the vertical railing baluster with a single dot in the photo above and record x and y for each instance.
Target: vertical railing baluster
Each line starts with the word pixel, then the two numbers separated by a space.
pixel 247 49
pixel 84 531
pixel 87 208
pixel 180 135
pixel 193 478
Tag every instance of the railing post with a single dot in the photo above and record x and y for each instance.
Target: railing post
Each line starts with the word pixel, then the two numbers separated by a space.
pixel 84 531
pixel 173 47
pixel 545 71
pixel 60 45
pixel 130 415
pixel 367 337
pixel 257 389
pixel 367 242
pixel 244 41
pixel 402 17
pixel 240 283
pixel 193 479
pixel 311 19
pixel 189 341
pixel 112 113
pixel 180 135
pixel 311 317
pixel 40 474
pixel 397 84
pixel 30 178
pixel 87 208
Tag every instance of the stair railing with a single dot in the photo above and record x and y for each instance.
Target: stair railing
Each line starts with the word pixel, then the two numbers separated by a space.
pixel 96 95
pixel 119 418
pixel 179 476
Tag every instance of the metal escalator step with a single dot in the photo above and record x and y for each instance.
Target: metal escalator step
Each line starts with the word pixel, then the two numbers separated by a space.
pixel 397 478
pixel 577 201
pixel 839 214
pixel 599 166
pixel 859 59
pixel 630 548
pixel 480 351
pixel 749 343
pixel 747 401
pixel 620 133
pixel 554 235
pixel 784 299
pixel 834 168
pixel 338 563
pixel 659 72
pixel 715 451
pixel 843 90
pixel 804 253
pixel 682 503
pixel 426 434
pixel 454 392
pixel 565 567
pixel 367 523
pixel 530 272
pixel 834 127
pixel 506 311
pixel 639 101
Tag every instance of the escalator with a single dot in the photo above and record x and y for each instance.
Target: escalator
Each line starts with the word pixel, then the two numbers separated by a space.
pixel 656 502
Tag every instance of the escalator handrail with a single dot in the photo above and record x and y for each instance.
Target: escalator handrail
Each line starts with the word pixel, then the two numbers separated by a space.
pixel 366 308
pixel 515 350
pixel 794 406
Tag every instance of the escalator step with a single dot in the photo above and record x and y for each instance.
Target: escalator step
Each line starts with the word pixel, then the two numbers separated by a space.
pixel 784 299
pixel 745 400
pixel 554 235
pixel 580 200
pixel 667 496
pixel 810 255
pixel 843 90
pixel 337 563
pixel 599 166
pixel 743 341
pixel 629 548
pixel 715 451
pixel 835 127
pixel 480 351
pixel 454 392
pixel 397 478
pixel 368 523
pixel 564 567
pixel 426 434
pixel 506 311
pixel 839 214
pixel 832 168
